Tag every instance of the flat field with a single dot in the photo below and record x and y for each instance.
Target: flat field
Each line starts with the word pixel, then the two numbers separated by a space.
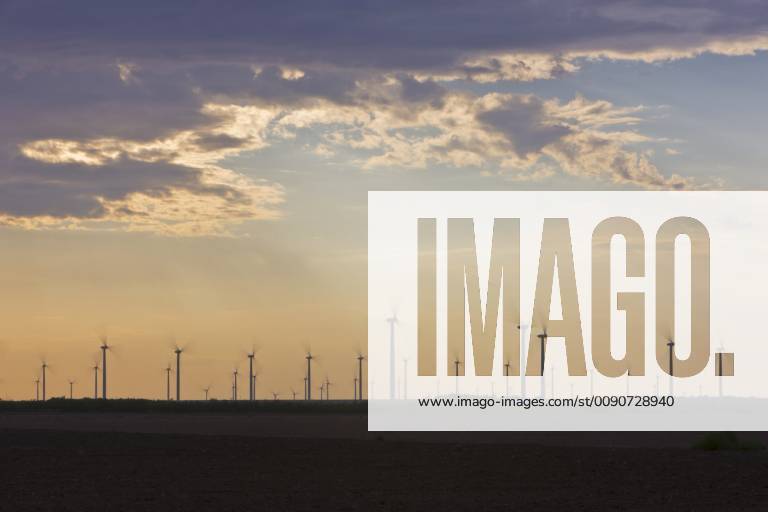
pixel 294 457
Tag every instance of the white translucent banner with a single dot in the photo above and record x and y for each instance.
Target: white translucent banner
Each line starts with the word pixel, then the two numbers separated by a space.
pixel 715 381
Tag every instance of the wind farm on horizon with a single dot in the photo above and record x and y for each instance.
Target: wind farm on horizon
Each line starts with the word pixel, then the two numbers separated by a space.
pixel 174 382
pixel 320 387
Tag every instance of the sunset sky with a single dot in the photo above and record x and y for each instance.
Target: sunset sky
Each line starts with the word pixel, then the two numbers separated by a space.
pixel 198 171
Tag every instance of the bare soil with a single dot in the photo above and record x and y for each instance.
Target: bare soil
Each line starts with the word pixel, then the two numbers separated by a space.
pixel 88 462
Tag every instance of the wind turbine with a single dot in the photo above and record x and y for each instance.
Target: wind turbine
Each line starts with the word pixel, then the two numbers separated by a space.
pixel 37 390
pixel 168 371
pixel 360 359
pixel 456 364
pixel 543 346
pixel 252 371
pixel 506 380
pixel 104 347
pixel 251 376
pixel 671 345
pixel 206 390
pixel 327 388
pixel 305 389
pixel 720 352
pixel 95 369
pixel 44 367
pixel 309 358
pixel 71 384
pixel 322 388
pixel 392 321
pixel 354 388
pixel 178 350
pixel 293 392
pixel 234 384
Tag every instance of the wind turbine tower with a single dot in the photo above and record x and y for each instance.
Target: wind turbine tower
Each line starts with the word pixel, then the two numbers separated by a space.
pixel 309 358
pixel 104 347
pixel 506 378
pixel 543 347
pixel 96 381
pixel 360 359
pixel 234 384
pixel 721 350
pixel 456 364
pixel 168 382
pixel 178 350
pixel 44 367
pixel 37 390
pixel 671 345
pixel 251 377
pixel 71 384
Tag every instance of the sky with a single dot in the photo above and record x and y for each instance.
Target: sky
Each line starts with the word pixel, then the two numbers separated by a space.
pixel 197 172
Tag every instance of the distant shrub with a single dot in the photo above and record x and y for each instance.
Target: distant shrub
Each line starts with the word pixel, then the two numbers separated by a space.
pixel 718 441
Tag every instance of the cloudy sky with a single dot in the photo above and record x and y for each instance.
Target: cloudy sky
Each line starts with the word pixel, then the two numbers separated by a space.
pixel 198 170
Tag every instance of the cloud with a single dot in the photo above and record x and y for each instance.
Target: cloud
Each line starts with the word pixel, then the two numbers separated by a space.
pixel 517 67
pixel 170 185
pixel 486 39
pixel 513 132
pixel 155 184
pixel 521 119
pixel 594 155
pixel 125 118
pixel 128 194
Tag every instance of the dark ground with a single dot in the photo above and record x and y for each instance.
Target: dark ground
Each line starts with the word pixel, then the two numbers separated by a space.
pixel 216 461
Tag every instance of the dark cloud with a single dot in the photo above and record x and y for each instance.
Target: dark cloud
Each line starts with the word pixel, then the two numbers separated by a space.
pixel 421 91
pixel 399 34
pixel 521 120
pixel 213 142
pixel 32 188
pixel 89 100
